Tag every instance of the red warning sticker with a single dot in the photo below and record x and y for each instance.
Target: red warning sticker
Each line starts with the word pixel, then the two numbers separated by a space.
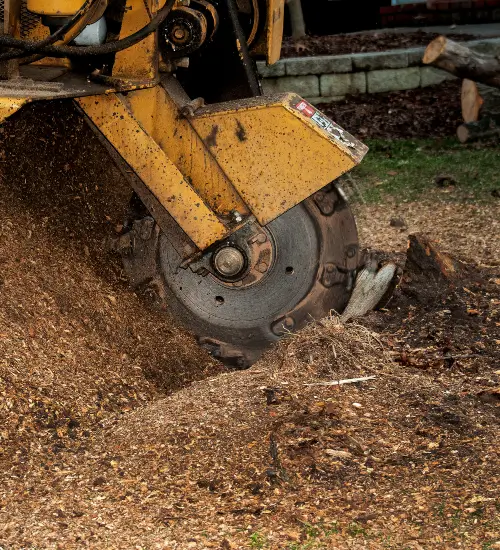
pixel 306 108
pixel 323 122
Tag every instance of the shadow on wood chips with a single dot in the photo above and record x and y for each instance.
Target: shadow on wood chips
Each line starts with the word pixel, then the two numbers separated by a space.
pixel 94 454
pixel 77 345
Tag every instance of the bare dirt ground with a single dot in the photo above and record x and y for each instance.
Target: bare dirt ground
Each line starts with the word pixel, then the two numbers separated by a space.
pixel 116 431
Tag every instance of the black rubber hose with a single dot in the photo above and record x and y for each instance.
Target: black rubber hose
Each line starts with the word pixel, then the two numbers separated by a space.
pixel 61 31
pixel 248 63
pixel 102 49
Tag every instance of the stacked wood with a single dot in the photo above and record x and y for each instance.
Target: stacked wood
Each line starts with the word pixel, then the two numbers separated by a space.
pixel 461 61
pixel 480 111
pixel 480 89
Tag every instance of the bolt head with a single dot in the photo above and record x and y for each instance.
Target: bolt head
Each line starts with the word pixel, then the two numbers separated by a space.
pixel 229 261
pixel 262 267
pixel 289 323
pixel 351 251
pixel 237 217
pixel 179 33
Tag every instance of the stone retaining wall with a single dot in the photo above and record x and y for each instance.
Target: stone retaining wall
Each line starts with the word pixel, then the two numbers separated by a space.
pixel 331 77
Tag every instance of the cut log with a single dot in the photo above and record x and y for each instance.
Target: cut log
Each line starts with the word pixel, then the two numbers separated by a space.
pixel 479 100
pixel 482 129
pixel 461 61
pixel 296 18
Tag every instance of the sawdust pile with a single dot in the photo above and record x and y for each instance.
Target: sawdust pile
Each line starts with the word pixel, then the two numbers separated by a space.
pixel 68 353
pixel 470 231
pixel 111 439
pixel 77 345
pixel 262 455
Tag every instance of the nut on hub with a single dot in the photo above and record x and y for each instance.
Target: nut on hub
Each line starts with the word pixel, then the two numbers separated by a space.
pixel 229 261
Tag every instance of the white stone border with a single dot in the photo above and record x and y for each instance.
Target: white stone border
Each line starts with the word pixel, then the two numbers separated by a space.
pixel 331 77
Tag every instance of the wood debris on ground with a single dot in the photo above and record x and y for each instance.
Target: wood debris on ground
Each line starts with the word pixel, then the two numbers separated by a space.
pixel 117 432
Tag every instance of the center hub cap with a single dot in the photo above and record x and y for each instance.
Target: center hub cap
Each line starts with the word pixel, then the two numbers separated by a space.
pixel 229 261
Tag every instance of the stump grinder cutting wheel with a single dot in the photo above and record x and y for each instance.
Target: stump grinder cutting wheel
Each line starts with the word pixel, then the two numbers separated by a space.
pixel 261 282
pixel 236 221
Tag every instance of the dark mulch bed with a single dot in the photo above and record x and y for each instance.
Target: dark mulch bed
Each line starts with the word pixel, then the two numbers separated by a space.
pixel 425 112
pixel 339 44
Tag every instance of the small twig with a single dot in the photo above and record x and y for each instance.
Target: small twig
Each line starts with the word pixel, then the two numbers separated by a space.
pixel 341 382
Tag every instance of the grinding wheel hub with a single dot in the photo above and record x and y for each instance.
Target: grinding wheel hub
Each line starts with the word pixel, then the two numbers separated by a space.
pixel 263 283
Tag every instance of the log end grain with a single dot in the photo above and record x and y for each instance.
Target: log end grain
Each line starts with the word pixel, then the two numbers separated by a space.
pixel 471 101
pixel 434 49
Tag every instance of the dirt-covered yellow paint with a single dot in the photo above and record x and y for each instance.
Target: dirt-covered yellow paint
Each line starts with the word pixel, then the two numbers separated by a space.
pixel 150 163
pixel 275 155
pixel 9 105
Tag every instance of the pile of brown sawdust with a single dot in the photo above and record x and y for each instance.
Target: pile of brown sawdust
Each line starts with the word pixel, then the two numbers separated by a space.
pixel 97 451
pixel 469 231
pixel 77 346
pixel 407 459
pixel 69 355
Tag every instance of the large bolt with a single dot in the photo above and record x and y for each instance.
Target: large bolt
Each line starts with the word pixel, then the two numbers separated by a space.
pixel 288 323
pixel 237 217
pixel 229 261
pixel 260 238
pixel 179 33
pixel 352 250
pixel 331 276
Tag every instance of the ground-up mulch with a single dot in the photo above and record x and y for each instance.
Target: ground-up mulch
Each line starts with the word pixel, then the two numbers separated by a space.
pixel 339 44
pixel 434 111
pixel 116 431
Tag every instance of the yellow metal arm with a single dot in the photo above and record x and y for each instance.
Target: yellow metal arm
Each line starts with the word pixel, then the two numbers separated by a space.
pixel 9 105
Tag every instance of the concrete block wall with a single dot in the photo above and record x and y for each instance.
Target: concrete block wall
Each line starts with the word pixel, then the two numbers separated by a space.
pixel 332 77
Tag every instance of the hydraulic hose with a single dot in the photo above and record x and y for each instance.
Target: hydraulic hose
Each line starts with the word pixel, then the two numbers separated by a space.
pixel 60 32
pixel 241 40
pixel 84 51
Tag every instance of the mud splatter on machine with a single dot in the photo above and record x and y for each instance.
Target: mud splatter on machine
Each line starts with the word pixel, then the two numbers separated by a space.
pixel 236 220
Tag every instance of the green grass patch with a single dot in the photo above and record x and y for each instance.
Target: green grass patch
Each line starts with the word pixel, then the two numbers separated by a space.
pixel 258 541
pixel 409 169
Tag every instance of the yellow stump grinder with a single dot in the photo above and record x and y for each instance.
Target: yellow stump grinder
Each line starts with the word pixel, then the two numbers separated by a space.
pixel 235 219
